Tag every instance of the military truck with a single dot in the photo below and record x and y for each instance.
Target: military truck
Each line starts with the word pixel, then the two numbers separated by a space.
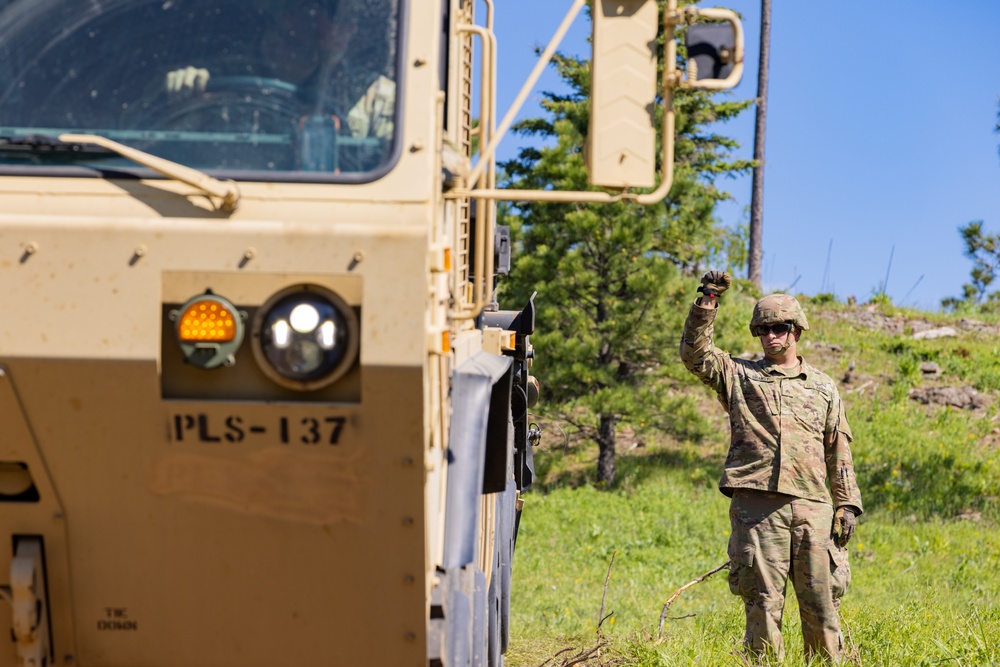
pixel 259 404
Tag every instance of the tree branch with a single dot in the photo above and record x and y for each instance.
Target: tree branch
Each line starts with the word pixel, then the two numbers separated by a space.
pixel 676 594
pixel 600 616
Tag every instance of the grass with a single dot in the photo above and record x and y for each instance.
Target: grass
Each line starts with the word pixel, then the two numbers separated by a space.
pixel 925 558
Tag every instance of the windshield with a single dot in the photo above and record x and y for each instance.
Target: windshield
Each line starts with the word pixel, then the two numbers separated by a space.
pixel 253 89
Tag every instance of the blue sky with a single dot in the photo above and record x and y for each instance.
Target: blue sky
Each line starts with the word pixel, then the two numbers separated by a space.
pixel 880 136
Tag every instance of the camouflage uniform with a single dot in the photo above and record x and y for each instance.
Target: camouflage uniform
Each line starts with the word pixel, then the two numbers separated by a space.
pixel 790 436
pixel 366 101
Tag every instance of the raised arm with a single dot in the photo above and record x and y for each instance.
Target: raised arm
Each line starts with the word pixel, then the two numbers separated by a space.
pixel 698 352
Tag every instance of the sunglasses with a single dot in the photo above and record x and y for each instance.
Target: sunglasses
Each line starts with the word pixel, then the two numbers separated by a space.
pixel 777 329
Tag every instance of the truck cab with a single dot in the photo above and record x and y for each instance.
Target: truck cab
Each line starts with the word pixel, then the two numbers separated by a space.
pixel 260 407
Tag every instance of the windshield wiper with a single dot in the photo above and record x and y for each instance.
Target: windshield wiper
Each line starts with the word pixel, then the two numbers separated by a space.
pixel 93 145
pixel 46 143
pixel 227 191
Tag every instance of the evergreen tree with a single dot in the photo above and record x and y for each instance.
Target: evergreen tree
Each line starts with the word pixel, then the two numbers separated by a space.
pixel 610 299
pixel 984 251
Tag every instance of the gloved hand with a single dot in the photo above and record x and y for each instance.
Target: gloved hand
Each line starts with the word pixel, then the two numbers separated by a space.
pixel 714 283
pixel 187 80
pixel 844 523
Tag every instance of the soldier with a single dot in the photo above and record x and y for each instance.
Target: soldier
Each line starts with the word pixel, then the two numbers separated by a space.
pixel 790 437
pixel 308 44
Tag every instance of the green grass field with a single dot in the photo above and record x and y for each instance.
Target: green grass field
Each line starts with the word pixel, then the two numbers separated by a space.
pixel 925 558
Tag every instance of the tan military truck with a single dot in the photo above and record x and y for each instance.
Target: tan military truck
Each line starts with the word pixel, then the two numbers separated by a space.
pixel 258 404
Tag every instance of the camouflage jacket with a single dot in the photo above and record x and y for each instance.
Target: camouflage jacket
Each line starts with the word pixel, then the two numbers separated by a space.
pixel 789 429
pixel 365 100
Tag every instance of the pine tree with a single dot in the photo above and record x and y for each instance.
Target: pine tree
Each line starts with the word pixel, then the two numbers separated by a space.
pixel 611 298
pixel 984 251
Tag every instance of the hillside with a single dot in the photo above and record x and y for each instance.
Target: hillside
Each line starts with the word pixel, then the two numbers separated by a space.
pixel 921 391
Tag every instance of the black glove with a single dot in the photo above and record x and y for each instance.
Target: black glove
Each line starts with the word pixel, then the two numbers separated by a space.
pixel 844 523
pixel 714 283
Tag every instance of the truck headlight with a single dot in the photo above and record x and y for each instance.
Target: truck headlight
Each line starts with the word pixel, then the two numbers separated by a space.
pixel 305 337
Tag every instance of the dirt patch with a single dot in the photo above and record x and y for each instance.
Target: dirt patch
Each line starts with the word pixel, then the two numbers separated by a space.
pixel 868 317
pixel 871 317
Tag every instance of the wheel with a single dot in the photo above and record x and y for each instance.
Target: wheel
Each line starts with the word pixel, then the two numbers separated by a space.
pixel 249 83
pixel 238 122
pixel 236 104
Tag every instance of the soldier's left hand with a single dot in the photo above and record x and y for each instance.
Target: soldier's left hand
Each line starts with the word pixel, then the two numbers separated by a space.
pixel 844 523
pixel 187 81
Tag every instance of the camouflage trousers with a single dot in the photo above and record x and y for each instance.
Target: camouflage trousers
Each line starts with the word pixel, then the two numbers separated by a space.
pixel 776 537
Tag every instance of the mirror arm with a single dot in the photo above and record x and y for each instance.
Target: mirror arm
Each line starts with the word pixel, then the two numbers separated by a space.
pixel 486 156
pixel 672 78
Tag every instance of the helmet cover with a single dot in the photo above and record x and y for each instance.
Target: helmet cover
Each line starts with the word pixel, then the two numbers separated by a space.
pixel 778 308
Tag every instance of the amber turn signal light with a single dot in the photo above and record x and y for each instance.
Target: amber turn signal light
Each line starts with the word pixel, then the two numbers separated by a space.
pixel 206 319
pixel 209 330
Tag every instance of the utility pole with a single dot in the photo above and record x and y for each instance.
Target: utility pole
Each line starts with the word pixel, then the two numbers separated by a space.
pixel 757 193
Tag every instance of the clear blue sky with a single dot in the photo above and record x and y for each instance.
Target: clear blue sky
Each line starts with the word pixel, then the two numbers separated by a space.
pixel 880 136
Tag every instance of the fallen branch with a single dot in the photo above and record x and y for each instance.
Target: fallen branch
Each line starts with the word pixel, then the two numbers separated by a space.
pixel 593 653
pixel 676 594
pixel 558 653
pixel 600 616
pixel 852 651
pixel 584 656
pixel 861 388
pixel 580 658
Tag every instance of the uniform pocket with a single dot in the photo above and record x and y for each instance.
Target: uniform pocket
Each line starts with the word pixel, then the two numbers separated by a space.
pixel 808 407
pixel 840 571
pixel 762 395
pixel 742 580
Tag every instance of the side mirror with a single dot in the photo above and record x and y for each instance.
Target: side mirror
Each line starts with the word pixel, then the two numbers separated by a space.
pixel 715 50
pixel 711 50
pixel 621 141
pixel 626 96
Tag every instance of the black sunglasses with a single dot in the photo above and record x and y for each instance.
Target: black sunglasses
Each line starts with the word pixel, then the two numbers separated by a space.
pixel 777 329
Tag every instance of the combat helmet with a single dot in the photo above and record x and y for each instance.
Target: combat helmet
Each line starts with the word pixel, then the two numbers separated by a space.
pixel 777 308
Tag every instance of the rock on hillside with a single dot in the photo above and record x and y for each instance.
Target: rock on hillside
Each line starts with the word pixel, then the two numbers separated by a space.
pixel 939 393
pixel 870 317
